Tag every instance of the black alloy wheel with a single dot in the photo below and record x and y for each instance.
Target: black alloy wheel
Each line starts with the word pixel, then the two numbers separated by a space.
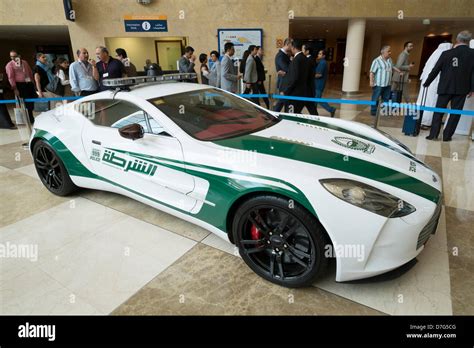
pixel 281 244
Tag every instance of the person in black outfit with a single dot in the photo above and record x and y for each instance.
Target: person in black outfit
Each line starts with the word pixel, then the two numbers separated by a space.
pixel 282 64
pixel 204 69
pixel 300 80
pixel 152 69
pixel 261 75
pixel 455 84
pixel 5 120
pixel 106 68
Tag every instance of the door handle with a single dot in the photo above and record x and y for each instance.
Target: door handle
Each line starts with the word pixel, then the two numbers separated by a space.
pixel 96 142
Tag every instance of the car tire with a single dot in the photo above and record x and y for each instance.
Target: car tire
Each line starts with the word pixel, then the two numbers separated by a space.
pixel 280 241
pixel 51 170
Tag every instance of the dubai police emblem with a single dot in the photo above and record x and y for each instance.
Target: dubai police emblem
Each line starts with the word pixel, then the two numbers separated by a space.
pixel 354 144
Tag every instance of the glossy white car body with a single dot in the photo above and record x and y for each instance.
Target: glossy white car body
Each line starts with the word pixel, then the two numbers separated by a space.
pixel 199 181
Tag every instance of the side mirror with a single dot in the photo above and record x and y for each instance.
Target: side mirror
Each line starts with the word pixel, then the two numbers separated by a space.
pixel 132 131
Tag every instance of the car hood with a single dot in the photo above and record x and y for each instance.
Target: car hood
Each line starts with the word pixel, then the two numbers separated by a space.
pixel 345 146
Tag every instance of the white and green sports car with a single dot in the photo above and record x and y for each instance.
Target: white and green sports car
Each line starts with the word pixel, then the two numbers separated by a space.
pixel 288 190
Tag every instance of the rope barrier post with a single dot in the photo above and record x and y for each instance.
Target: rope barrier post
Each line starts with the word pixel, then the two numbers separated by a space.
pixel 377 116
pixel 26 118
pixel 269 92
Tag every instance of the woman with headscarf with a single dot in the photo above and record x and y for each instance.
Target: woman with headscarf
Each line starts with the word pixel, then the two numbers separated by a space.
pixel 431 94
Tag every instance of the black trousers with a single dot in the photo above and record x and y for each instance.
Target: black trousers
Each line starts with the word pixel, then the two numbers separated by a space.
pixel 281 103
pixel 27 91
pixel 5 120
pixel 298 105
pixel 86 93
pixel 254 89
pixel 261 90
pixel 457 102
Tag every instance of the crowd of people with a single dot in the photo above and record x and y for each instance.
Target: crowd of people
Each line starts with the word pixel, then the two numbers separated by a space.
pixel 301 72
pixel 81 78
pixel 450 70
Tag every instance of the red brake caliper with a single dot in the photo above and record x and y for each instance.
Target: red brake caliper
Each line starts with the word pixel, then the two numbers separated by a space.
pixel 255 233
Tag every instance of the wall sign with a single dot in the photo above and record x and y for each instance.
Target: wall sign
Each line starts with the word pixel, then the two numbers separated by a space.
pixel 68 11
pixel 241 38
pixel 145 23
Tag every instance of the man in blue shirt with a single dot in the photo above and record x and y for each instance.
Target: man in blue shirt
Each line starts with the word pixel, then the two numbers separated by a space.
pixel 381 77
pixel 80 74
pixel 321 75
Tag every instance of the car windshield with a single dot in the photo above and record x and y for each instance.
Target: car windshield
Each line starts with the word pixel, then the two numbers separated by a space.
pixel 211 114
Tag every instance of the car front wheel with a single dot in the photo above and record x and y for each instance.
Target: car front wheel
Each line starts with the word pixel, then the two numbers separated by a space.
pixel 280 241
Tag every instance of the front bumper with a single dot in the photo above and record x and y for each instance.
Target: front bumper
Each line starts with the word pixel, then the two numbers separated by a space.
pixel 397 242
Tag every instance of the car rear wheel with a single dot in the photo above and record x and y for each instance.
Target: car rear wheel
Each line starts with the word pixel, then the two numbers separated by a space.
pixel 51 170
pixel 280 241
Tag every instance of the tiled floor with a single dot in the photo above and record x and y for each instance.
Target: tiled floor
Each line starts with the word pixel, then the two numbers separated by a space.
pixel 101 253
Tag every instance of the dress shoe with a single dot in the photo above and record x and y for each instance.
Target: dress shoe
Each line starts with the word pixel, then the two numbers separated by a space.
pixel 429 138
pixel 447 139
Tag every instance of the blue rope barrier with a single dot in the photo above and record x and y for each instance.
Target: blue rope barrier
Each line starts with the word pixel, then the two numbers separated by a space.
pixel 319 100
pixel 278 96
pixel 41 100
pixel 253 95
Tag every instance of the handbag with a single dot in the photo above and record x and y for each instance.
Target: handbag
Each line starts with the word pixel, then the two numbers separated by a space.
pixel 55 86
pixel 20 113
pixel 41 106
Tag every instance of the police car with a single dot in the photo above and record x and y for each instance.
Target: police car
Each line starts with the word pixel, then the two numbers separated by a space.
pixel 290 191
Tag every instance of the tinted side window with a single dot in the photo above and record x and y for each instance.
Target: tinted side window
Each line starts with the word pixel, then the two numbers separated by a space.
pixel 118 113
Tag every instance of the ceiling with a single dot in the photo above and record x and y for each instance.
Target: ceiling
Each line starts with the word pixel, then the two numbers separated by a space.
pixel 312 28
pixel 38 33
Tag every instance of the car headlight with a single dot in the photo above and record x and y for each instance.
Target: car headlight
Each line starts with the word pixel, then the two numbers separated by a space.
pixel 396 141
pixel 368 197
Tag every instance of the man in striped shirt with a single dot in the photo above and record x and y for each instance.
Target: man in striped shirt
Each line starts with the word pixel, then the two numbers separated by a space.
pixel 381 77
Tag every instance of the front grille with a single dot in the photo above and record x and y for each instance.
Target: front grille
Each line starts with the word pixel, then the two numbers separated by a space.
pixel 430 227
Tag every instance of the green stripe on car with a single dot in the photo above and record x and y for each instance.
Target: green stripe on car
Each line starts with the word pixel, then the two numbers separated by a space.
pixel 347 131
pixel 333 160
pixel 223 192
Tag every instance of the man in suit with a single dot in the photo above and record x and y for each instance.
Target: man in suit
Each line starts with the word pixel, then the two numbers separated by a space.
pixel 404 65
pixel 300 80
pixel 187 62
pixel 229 73
pixel 251 75
pixel 456 83
pixel 261 75
pixel 282 64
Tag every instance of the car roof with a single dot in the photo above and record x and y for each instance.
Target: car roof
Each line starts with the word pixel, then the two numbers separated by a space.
pixel 156 90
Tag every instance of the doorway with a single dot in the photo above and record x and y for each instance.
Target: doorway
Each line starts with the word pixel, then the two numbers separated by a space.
pixel 430 44
pixel 168 53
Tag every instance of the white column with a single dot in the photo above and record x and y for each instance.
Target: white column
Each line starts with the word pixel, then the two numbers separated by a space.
pixel 353 59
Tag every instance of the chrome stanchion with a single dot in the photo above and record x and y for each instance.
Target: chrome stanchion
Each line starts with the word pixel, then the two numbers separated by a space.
pixel 269 92
pixel 377 117
pixel 28 125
